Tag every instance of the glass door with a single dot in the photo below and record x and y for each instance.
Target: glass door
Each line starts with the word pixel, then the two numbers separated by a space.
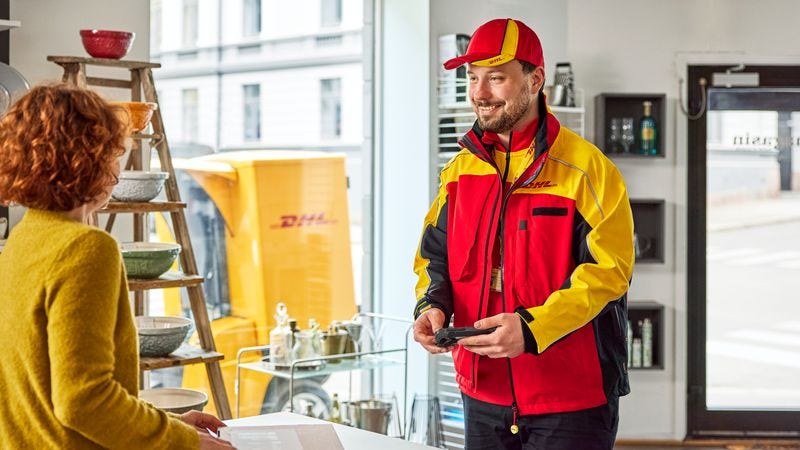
pixel 744 255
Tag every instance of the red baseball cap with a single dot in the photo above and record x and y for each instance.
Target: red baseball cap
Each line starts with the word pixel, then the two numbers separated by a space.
pixel 499 41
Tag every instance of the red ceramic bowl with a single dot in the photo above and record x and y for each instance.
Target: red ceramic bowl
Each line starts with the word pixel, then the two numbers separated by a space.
pixel 107 43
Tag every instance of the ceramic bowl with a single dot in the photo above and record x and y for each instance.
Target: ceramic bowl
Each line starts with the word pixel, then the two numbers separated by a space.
pixel 138 113
pixel 107 43
pixel 161 335
pixel 175 400
pixel 138 186
pixel 148 259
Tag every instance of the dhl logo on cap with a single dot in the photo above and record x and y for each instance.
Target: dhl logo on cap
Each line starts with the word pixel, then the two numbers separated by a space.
pixel 499 41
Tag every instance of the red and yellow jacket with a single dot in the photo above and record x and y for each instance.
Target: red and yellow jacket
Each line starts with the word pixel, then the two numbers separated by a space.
pixel 564 229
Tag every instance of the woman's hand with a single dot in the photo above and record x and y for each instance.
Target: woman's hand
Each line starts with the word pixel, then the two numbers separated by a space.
pixel 202 421
pixel 209 442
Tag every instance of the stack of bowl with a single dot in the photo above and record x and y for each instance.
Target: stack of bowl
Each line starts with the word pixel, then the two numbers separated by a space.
pixel 175 400
pixel 147 260
pixel 108 44
pixel 161 335
pixel 137 114
pixel 138 186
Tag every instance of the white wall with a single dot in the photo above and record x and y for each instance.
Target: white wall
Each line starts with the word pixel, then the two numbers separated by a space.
pixel 547 18
pixel 50 27
pixel 642 46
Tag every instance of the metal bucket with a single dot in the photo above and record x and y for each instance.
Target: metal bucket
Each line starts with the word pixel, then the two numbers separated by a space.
pixel 371 415
pixel 334 344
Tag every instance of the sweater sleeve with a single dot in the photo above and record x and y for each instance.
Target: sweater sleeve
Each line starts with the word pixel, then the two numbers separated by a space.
pixel 82 309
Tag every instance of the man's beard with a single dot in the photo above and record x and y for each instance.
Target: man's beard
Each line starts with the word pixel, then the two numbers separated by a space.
pixel 508 118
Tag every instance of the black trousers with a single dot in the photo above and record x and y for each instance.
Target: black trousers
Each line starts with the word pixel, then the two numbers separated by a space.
pixel 486 427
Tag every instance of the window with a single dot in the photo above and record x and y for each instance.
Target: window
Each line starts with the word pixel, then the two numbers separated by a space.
pixel 190 23
pixel 252 112
pixel 190 116
pixel 155 26
pixel 331 108
pixel 251 15
pixel 331 13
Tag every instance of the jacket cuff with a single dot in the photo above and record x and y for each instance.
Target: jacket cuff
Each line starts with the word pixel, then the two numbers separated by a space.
pixel 424 304
pixel 526 318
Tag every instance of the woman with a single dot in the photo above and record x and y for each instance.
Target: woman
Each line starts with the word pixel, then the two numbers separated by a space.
pixel 69 376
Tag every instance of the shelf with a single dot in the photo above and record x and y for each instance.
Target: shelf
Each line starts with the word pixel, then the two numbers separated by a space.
pixel 168 280
pixel 103 62
pixel 184 355
pixel 568 109
pixel 141 207
pixel 9 24
pixel 145 136
pixel 365 362
pixel 654 311
pixel 648 225
pixel 141 86
pixel 626 105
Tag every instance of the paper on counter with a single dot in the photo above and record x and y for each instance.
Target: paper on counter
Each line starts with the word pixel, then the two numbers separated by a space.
pixel 282 437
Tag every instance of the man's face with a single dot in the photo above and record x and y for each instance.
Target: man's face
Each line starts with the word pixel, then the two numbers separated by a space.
pixel 501 96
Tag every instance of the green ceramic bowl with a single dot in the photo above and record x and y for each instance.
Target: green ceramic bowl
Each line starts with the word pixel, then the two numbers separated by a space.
pixel 148 259
pixel 161 335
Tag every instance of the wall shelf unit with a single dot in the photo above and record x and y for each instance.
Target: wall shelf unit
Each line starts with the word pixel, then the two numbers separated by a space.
pixel 609 105
pixel 648 224
pixel 653 311
pixel 142 88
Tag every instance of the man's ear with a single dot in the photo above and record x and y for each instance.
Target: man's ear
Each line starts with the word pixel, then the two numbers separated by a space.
pixel 537 79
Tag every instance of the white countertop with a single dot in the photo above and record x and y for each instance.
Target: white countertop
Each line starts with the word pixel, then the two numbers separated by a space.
pixel 351 438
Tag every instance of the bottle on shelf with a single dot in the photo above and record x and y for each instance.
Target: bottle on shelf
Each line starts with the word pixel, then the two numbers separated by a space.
pixel 647 343
pixel 647 131
pixel 637 352
pixel 336 413
pixel 629 341
pixel 280 338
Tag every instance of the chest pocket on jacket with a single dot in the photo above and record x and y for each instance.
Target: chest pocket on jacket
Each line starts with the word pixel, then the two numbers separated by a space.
pixel 539 233
pixel 466 236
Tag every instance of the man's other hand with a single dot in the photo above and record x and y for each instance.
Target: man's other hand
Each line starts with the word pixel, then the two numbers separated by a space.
pixel 507 341
pixel 425 326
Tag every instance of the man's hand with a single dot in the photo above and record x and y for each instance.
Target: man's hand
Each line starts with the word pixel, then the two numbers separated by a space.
pixel 507 341
pixel 425 326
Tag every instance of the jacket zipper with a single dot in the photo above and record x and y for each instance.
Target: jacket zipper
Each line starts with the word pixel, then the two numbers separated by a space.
pixel 514 428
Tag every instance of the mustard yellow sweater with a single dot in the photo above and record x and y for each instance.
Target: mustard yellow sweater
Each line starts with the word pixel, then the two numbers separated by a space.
pixel 69 370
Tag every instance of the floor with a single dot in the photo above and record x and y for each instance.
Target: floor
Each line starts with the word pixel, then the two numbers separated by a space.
pixel 713 445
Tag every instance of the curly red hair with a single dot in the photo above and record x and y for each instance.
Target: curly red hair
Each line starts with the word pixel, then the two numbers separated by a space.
pixel 58 144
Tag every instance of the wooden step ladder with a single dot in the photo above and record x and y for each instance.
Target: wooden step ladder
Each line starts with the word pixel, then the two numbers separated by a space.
pixel 142 88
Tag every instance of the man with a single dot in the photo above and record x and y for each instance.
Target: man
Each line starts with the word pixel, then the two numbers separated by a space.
pixel 531 232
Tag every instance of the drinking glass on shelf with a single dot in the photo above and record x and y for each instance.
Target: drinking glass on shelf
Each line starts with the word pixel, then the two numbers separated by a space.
pixel 425 425
pixel 627 137
pixel 614 135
